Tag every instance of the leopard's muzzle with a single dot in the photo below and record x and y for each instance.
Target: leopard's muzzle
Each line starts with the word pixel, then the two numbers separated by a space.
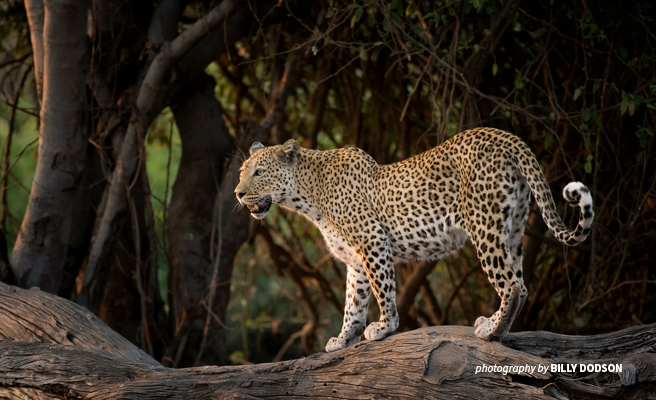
pixel 259 209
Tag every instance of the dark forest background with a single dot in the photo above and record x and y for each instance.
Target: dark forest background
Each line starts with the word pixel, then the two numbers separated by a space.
pixel 123 123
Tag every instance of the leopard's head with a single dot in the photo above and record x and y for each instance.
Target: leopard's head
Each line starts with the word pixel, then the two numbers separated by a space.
pixel 267 177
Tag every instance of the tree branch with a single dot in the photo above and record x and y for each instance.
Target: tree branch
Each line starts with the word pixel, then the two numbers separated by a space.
pixel 170 53
pixel 35 16
pixel 147 107
pixel 411 287
pixel 283 90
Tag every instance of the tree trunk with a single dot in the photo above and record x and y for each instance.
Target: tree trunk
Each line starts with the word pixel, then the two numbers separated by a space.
pixel 197 225
pixel 6 274
pixel 46 239
pixel 54 349
pixel 131 302
pixel 159 81
pixel 201 332
pixel 192 228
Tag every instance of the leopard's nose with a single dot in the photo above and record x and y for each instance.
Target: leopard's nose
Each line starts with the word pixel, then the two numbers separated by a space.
pixel 240 194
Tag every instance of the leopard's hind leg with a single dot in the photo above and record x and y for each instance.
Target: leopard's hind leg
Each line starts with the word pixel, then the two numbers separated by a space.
pixel 516 240
pixel 496 229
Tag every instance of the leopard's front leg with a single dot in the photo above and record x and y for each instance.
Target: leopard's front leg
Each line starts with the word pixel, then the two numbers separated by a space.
pixel 358 291
pixel 379 265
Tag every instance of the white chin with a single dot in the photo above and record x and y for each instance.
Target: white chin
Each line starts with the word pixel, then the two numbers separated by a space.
pixel 258 215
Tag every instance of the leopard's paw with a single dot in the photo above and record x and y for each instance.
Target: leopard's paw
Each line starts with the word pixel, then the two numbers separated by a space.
pixel 337 343
pixel 483 320
pixel 480 321
pixel 484 328
pixel 488 328
pixel 376 331
pixel 379 330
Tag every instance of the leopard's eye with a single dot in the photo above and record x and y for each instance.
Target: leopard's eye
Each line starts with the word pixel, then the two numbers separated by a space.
pixel 257 172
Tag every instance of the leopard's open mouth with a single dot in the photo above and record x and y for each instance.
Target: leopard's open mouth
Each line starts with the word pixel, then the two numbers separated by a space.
pixel 260 209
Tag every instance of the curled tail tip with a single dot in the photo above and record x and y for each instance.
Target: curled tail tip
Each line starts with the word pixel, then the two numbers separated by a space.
pixel 577 194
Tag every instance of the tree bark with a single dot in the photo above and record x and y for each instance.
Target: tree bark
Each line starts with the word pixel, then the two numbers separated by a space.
pixel 35 316
pixel 47 240
pixel 53 349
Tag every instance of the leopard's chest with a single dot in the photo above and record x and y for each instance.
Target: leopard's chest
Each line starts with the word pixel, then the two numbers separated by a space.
pixel 338 245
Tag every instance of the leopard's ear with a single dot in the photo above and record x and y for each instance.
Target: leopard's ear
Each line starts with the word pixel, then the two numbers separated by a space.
pixel 288 152
pixel 257 146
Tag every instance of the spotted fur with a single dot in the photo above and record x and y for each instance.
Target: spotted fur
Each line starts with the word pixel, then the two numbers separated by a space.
pixel 476 185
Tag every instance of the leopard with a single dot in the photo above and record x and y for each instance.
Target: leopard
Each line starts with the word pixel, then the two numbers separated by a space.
pixel 476 186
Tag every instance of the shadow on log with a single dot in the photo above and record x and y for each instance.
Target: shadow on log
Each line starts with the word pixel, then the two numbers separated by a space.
pixel 52 348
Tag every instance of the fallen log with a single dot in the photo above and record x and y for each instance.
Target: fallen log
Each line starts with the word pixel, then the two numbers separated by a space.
pixel 35 316
pixel 54 349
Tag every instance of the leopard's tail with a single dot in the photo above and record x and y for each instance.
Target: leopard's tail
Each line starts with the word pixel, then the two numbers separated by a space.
pixel 575 193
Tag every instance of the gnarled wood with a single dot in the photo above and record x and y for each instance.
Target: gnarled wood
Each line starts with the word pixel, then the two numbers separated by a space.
pixel 61 351
pixel 35 316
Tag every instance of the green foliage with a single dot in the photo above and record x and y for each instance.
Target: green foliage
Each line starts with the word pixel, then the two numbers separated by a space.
pixel 14 30
pixel 163 152
pixel 22 167
pixel 15 55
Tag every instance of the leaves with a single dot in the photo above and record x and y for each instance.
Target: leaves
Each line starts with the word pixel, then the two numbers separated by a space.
pixel 631 106
pixel 595 86
pixel 585 114
pixel 386 25
pixel 631 102
pixel 434 15
pixel 358 14
pixel 588 164
pixel 519 81
pixel 396 18
pixel 548 141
